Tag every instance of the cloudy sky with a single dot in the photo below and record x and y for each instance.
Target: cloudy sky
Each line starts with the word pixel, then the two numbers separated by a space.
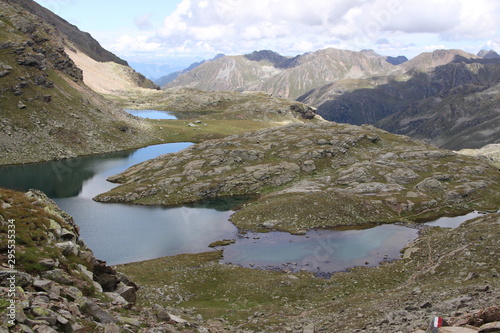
pixel 159 31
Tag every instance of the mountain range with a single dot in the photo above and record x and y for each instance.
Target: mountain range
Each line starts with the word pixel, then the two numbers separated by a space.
pixel 446 97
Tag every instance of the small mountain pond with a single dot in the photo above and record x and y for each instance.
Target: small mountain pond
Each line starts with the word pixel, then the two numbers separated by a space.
pixel 120 233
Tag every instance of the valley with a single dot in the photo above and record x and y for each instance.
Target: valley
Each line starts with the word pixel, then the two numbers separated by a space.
pixel 280 194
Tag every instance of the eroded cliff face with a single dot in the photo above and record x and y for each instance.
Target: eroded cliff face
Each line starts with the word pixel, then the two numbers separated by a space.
pixel 296 169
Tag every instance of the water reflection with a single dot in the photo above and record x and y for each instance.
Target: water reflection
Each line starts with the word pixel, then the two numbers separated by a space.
pixel 453 222
pixel 59 179
pixel 320 250
pixel 121 233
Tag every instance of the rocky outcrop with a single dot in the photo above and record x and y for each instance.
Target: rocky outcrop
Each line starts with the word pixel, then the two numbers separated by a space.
pixel 376 176
pixel 227 105
pixel 490 152
pixel 63 289
pixel 84 40
pixel 55 284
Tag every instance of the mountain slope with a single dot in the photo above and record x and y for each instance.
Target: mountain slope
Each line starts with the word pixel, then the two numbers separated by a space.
pixel 282 76
pixel 105 71
pixel 446 97
pixel 108 77
pixel 47 112
pixel 172 76
pixel 86 43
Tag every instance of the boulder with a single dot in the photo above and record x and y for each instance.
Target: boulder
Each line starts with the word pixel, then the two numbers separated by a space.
pixel 128 293
pixel 43 285
pixel 98 313
pixel 493 327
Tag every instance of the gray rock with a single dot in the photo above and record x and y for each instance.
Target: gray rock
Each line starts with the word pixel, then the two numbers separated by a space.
pixel 116 298
pixel 98 313
pixel 43 285
pixel 456 330
pixel 24 329
pixel 49 263
pixel 430 185
pixel 309 328
pixel 69 248
pixel 129 321
pixel 45 329
pixel 22 279
pixel 57 275
pixel 107 281
pixel 111 328
pixel 402 176
pixel 270 224
pixel 493 327
pixel 72 293
pixel 161 313
pixel 128 293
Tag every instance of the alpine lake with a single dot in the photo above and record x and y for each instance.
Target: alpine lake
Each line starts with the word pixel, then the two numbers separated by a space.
pixel 120 233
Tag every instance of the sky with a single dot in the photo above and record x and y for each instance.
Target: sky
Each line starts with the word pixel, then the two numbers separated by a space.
pixel 165 31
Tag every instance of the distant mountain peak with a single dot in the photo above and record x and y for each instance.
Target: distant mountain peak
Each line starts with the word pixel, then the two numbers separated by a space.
pixel 396 60
pixel 275 58
pixel 369 53
pixel 491 54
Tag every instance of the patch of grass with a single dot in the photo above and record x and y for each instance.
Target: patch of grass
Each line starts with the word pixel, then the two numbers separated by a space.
pixel 270 300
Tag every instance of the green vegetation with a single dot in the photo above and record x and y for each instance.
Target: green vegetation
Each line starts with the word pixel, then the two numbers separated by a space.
pixel 316 175
pixel 272 300
pixel 33 221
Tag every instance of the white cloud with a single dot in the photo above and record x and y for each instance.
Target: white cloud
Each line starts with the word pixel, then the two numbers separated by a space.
pixel 143 22
pixel 134 44
pixel 295 26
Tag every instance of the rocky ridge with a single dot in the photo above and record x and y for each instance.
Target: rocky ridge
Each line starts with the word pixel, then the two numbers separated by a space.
pixel 446 98
pixel 281 76
pixel 47 111
pixel 86 43
pixel 226 105
pixel 295 169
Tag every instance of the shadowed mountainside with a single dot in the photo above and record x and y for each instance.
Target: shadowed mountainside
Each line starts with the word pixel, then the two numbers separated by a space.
pixel 452 105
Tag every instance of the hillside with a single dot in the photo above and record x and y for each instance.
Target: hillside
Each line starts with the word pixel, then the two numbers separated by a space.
pixel 294 169
pixel 109 78
pixel 281 76
pixel 103 71
pixel 56 284
pixel 447 98
pixel 85 42
pixel 47 110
